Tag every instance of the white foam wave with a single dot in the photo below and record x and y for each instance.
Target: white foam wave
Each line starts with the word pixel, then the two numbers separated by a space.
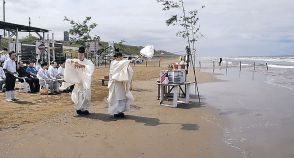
pixel 266 59
pixel 274 83
pixel 227 62
pixel 281 66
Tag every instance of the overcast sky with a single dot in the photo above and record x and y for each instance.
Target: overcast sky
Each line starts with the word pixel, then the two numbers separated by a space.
pixel 231 27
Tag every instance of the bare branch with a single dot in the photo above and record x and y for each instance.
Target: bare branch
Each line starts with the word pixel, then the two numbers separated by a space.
pixel 172 20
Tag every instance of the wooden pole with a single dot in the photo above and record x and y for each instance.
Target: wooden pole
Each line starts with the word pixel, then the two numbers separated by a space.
pixel 104 61
pixel 266 66
pixel 254 66
pixel 53 47
pixel 213 66
pixel 98 64
pixel 4 33
pixel 16 43
pixel 146 63
pixel 226 67
pixel 159 62
pixel 0 42
pixel 240 65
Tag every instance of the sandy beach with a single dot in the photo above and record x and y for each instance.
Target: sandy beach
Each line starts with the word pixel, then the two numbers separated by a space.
pixel 47 126
pixel 237 102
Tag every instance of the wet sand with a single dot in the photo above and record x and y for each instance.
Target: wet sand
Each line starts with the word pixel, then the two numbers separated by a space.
pixel 46 126
pixel 259 115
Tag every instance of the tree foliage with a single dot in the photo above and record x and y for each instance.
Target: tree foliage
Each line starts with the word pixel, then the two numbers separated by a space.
pixel 30 39
pixel 4 42
pixel 187 20
pixel 80 32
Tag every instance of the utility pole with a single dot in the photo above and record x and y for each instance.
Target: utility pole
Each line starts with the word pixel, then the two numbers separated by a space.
pixel 4 34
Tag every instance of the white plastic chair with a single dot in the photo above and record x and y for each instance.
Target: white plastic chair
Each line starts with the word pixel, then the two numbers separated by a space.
pixel 43 83
pixel 24 87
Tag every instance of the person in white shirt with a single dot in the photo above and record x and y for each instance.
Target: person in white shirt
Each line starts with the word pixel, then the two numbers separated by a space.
pixel 38 65
pixel 45 78
pixel 61 69
pixel 2 77
pixel 9 68
pixel 53 71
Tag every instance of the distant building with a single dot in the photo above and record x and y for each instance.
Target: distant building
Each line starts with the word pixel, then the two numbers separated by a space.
pixel 66 36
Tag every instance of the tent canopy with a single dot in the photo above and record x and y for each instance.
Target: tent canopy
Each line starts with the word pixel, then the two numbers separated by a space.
pixel 20 28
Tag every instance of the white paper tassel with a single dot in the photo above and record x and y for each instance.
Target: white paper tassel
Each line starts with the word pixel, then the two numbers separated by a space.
pixel 147 51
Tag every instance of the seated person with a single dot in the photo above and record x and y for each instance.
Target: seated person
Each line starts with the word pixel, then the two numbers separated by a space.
pixel 25 77
pixel 45 78
pixel 61 69
pixel 32 71
pixel 53 71
pixel 38 65
pixel 2 77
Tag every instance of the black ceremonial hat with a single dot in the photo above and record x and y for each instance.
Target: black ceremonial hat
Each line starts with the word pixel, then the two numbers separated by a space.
pixel 82 50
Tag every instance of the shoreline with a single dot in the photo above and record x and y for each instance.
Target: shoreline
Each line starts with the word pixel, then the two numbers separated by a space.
pixel 259 114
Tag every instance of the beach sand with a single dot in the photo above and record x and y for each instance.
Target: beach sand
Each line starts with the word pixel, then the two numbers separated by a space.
pixel 47 126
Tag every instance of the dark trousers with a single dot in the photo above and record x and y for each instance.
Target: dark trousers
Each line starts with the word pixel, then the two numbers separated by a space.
pixel 1 85
pixel 34 84
pixel 69 89
pixel 10 82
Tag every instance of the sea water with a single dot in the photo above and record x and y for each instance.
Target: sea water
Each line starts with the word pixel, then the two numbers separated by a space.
pixel 279 70
pixel 258 102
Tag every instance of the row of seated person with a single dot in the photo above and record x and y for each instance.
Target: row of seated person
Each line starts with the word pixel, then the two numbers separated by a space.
pixel 46 76
pixel 28 74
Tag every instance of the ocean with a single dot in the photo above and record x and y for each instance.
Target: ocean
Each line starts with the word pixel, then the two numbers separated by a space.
pixel 279 70
pixel 257 102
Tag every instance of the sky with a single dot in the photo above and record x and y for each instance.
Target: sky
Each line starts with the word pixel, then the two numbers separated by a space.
pixel 231 27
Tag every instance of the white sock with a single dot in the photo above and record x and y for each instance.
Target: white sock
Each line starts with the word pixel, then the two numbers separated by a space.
pixel 8 95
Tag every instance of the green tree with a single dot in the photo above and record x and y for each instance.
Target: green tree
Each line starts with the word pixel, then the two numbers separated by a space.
pixel 5 42
pixel 30 39
pixel 80 32
pixel 188 21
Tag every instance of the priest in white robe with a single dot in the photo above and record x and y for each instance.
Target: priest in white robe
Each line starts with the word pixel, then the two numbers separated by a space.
pixel 79 72
pixel 120 76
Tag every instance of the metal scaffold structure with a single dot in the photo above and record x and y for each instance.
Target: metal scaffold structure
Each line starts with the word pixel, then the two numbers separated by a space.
pixel 44 49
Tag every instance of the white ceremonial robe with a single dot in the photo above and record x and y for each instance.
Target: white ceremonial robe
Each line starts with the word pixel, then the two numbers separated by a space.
pixel 120 97
pixel 81 94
